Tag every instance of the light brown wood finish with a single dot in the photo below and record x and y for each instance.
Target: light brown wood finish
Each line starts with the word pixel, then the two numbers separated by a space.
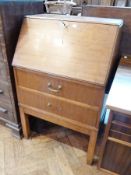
pixel 69 90
pixel 60 80
pixel 25 123
pixel 59 51
pixel 91 147
pixel 58 106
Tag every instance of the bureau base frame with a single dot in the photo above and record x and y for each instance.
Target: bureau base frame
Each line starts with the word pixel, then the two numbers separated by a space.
pixel 92 132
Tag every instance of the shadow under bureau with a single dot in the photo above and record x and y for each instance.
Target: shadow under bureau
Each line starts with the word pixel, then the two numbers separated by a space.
pixel 61 66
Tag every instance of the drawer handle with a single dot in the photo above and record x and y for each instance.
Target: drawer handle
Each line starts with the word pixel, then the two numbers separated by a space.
pixel 50 88
pixel 49 104
pixel 1 92
pixel 3 110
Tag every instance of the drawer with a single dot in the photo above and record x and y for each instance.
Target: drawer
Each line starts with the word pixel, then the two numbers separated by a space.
pixel 4 90
pixel 5 100
pixel 120 136
pixel 6 103
pixel 3 73
pixel 6 114
pixel 1 55
pixel 89 94
pixel 122 118
pixel 56 105
pixel 121 127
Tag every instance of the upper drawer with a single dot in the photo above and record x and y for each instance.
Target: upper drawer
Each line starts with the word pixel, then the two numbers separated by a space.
pixel 89 94
pixel 65 108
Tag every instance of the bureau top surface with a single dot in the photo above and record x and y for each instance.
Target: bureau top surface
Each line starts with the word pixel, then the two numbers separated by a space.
pixel 119 98
pixel 81 48
pixel 107 21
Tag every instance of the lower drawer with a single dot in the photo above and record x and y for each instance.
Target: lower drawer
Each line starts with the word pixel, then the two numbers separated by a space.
pixel 63 107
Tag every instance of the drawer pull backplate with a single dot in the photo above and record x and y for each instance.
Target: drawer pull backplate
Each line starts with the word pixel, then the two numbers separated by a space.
pixel 50 88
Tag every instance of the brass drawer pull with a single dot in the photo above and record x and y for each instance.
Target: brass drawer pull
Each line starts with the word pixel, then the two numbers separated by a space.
pixel 50 88
pixel 49 105
pixel 1 92
pixel 3 110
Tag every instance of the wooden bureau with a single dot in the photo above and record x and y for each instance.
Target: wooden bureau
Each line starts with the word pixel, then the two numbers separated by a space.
pixel 61 65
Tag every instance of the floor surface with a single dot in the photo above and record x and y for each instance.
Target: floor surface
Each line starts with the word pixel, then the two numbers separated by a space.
pixel 58 151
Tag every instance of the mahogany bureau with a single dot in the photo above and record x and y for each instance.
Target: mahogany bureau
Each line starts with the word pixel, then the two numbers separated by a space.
pixel 61 66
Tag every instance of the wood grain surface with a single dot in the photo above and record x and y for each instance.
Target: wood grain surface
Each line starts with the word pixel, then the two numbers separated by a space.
pixel 116 13
pixel 58 151
pixel 59 51
pixel 61 66
pixel 70 89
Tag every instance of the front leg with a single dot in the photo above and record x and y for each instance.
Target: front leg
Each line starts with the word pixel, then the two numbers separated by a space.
pixel 91 147
pixel 25 123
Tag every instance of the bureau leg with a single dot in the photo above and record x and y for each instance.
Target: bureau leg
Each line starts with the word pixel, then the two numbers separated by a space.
pixel 25 123
pixel 91 147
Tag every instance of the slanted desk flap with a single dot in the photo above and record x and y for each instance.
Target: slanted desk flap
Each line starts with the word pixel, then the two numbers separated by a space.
pixel 80 48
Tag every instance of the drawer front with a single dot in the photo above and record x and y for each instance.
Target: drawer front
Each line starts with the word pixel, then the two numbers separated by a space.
pixel 120 136
pixel 88 94
pixel 121 127
pixel 1 56
pixel 6 113
pixel 3 74
pixel 3 113
pixel 122 118
pixel 4 90
pixel 6 104
pixel 55 105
